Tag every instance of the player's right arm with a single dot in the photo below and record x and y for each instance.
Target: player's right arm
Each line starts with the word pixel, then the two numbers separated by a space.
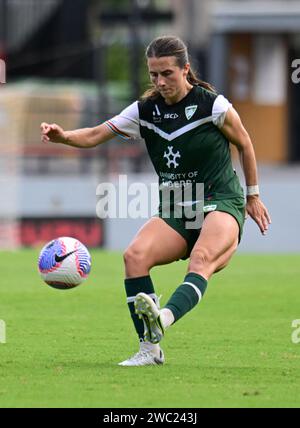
pixel 125 125
pixel 83 138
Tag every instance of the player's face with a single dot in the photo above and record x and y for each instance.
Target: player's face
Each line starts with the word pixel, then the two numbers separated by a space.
pixel 168 78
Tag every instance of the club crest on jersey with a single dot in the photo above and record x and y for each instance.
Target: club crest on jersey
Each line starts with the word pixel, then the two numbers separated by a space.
pixel 190 111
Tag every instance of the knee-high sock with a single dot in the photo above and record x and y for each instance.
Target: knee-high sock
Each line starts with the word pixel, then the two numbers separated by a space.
pixel 187 295
pixel 133 286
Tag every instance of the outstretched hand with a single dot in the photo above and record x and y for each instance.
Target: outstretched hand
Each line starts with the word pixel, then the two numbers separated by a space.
pixel 52 133
pixel 259 213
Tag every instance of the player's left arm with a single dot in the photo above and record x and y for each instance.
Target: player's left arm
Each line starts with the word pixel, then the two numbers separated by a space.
pixel 235 132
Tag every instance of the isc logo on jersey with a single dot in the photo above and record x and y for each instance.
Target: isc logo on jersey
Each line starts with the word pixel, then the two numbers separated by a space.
pixel 171 116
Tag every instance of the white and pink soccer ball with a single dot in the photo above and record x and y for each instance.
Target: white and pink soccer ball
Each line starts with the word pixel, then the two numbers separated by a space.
pixel 64 263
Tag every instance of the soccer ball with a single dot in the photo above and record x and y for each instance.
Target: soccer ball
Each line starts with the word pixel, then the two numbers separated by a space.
pixel 64 263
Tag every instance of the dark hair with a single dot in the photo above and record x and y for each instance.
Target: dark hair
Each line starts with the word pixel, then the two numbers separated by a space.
pixel 172 46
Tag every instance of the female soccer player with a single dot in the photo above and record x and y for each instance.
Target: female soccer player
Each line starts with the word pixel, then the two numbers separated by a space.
pixel 187 128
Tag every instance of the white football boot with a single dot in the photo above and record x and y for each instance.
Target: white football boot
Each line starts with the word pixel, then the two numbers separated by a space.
pixel 149 312
pixel 147 356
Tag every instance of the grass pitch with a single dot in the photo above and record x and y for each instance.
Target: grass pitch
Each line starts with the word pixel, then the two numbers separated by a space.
pixel 233 350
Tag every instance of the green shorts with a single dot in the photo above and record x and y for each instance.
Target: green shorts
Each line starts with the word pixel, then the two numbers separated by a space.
pixel 235 207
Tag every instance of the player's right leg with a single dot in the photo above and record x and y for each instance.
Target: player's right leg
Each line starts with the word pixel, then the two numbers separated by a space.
pixel 155 244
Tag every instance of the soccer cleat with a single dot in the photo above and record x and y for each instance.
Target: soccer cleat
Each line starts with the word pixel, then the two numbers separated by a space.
pixel 148 311
pixel 144 358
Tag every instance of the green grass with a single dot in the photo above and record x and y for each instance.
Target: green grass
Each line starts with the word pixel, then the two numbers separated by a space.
pixel 233 350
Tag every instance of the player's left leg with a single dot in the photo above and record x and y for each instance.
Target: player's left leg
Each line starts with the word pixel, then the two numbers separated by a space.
pixel 215 246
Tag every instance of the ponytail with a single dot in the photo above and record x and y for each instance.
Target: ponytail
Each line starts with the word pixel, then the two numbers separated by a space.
pixel 195 81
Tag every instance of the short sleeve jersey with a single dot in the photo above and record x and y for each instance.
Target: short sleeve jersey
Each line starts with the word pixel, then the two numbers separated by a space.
pixel 184 141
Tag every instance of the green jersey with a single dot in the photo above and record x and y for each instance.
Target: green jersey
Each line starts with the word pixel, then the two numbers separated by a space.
pixel 184 141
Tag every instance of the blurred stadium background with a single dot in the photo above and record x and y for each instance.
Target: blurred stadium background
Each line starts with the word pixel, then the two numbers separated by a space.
pixel 80 62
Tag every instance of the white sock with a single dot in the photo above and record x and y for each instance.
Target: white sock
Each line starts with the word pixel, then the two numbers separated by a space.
pixel 154 348
pixel 167 317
